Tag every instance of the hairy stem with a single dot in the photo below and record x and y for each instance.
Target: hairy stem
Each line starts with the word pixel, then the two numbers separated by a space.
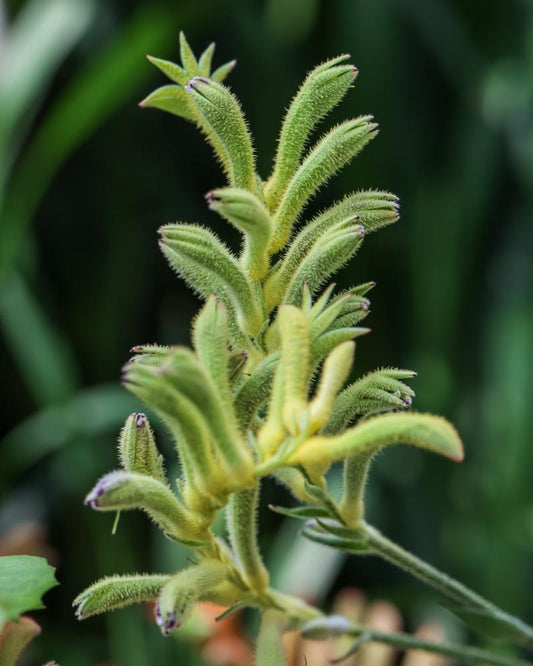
pixel 318 629
pixel 446 585
pixel 242 527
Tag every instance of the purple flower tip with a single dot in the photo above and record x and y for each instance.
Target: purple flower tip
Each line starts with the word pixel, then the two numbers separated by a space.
pixel 140 420
pixel 193 83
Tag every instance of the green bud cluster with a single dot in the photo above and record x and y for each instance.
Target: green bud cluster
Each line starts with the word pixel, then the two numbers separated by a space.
pixel 263 391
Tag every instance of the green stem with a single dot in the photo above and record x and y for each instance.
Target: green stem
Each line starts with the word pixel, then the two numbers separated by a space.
pixel 448 586
pixel 242 527
pixel 317 629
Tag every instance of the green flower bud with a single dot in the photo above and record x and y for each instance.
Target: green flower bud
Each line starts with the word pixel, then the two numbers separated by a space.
pixel 117 592
pixel 219 115
pixel 209 267
pixel 376 391
pixel 121 491
pixel 324 259
pixel 137 448
pixel 321 91
pixel 245 211
pixel 421 430
pixel 331 153
pixel 182 591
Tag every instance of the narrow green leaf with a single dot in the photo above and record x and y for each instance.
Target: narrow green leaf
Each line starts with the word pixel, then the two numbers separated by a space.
pixel 300 512
pixel 222 72
pixel 169 98
pixel 171 69
pixel 204 64
pixel 188 58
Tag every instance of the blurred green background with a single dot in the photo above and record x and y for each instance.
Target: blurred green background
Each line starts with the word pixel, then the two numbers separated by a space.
pixel 86 178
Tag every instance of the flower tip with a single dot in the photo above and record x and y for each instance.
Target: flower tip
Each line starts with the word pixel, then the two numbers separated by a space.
pixel 140 420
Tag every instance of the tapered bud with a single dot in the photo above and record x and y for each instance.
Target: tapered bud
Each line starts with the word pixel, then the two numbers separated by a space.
pixel 321 91
pixel 327 342
pixel 376 391
pixel 330 154
pixel 219 115
pixel 211 342
pixel 181 592
pixel 116 592
pixel 424 431
pixel 295 358
pixel 137 448
pixel 209 267
pixel 246 212
pixel 120 491
pixel 280 278
pixel 324 259
pixel 336 369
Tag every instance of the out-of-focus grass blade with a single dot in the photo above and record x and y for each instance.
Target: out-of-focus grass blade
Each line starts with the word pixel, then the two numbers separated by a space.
pixel 96 92
pixel 43 34
pixel 43 357
pixel 95 411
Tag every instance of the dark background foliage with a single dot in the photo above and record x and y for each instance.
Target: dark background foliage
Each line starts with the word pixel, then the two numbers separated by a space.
pixel 89 177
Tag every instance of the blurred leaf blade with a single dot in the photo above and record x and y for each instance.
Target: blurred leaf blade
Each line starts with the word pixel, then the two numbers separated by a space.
pixel 23 581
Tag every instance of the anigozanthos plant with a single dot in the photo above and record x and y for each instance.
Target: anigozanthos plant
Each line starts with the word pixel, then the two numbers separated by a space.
pixel 264 390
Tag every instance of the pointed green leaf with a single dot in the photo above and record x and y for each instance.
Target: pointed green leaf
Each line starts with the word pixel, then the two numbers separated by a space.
pixel 204 64
pixel 222 72
pixel 301 512
pixel 169 98
pixel 174 72
pixel 188 59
